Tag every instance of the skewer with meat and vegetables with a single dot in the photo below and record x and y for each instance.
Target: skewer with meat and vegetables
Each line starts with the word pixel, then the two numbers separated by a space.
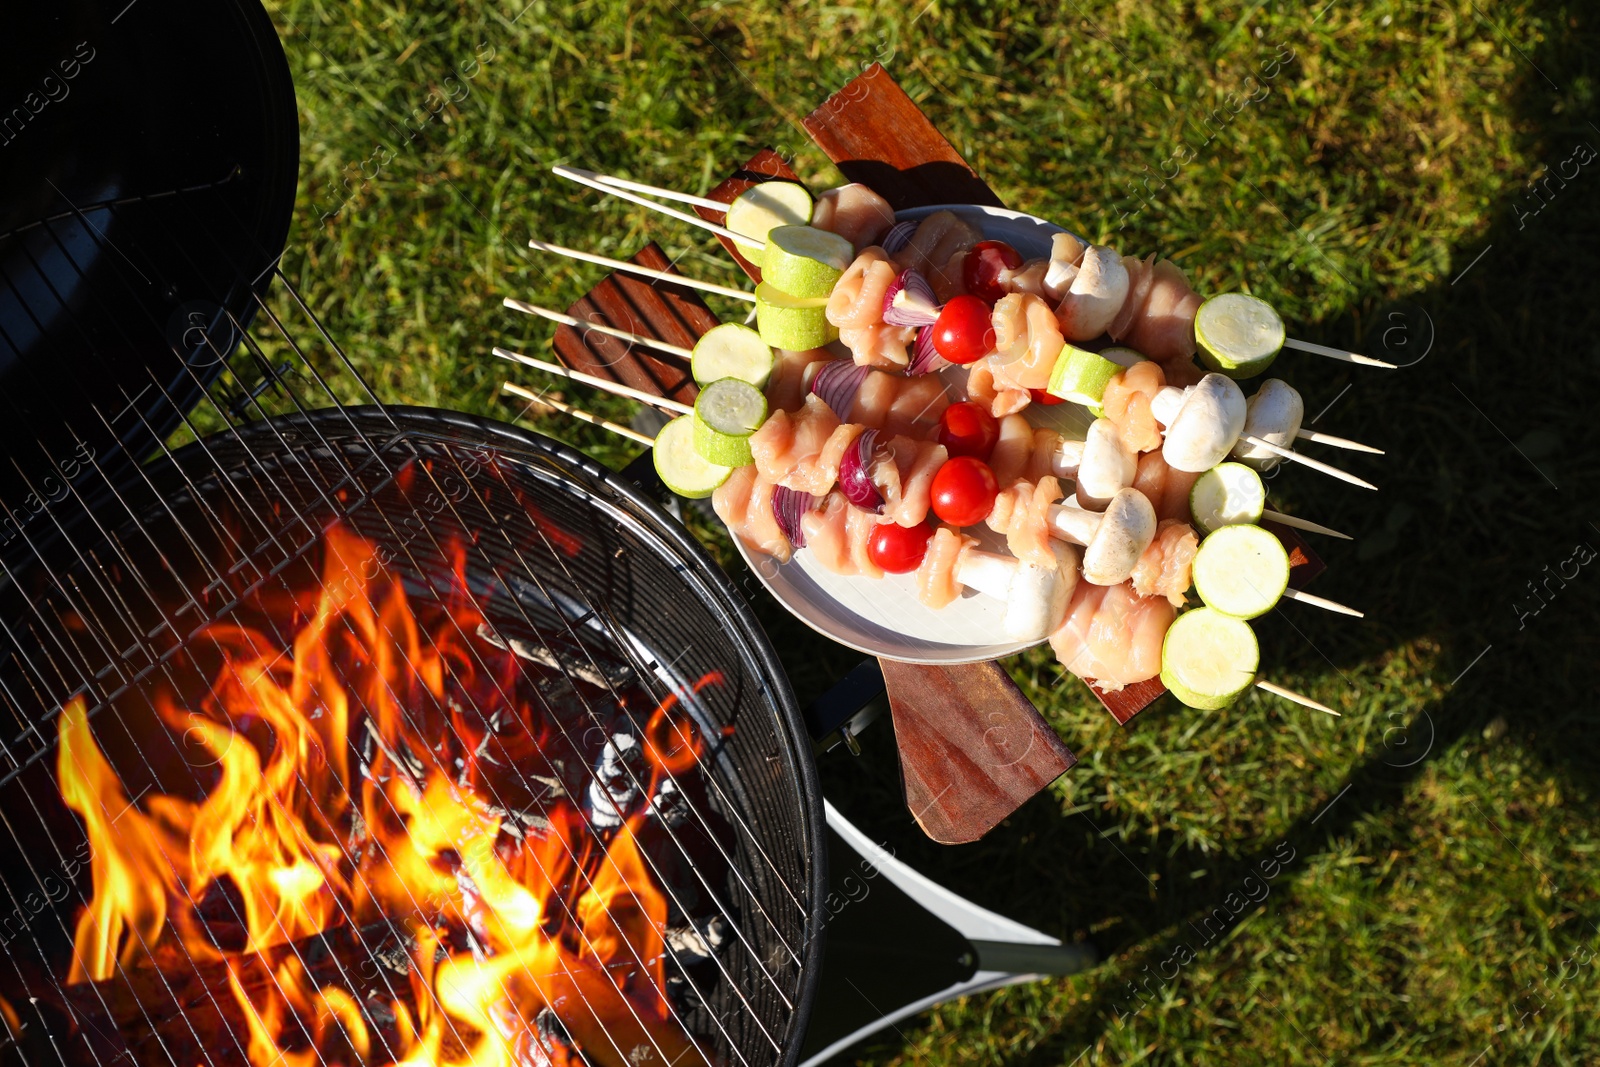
pixel 877 419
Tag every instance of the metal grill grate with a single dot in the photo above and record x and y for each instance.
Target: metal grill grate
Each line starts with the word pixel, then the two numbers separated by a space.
pixel 113 573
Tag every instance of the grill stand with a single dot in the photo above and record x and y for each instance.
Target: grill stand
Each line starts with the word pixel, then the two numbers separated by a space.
pixel 900 943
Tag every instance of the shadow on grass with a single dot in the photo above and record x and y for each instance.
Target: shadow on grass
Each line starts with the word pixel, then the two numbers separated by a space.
pixel 1472 552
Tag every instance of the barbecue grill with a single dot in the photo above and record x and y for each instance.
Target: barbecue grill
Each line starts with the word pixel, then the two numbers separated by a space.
pixel 551 619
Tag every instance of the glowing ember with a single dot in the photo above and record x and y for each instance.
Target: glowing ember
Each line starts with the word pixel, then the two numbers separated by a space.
pixel 291 851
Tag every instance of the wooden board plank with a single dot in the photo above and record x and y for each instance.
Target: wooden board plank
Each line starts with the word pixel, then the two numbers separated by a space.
pixel 878 136
pixel 973 749
pixel 666 312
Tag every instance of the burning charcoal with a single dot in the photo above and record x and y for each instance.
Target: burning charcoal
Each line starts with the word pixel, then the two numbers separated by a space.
pixel 698 942
pixel 670 805
pixel 614 789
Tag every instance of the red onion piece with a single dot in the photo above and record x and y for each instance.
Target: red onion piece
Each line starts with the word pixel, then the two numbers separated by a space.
pixel 925 359
pixel 855 474
pixel 789 506
pixel 837 383
pixel 898 236
pixel 909 301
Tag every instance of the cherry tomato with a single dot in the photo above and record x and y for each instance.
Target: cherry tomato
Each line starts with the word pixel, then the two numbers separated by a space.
pixel 980 271
pixel 964 491
pixel 1045 397
pixel 967 429
pixel 963 332
pixel 899 549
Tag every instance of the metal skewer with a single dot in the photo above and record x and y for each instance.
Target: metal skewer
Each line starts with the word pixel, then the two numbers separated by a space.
pixel 647 272
pixel 589 178
pixel 609 331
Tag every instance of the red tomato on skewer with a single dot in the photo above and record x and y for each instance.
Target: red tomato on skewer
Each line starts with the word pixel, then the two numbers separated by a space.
pixel 899 549
pixel 963 491
pixel 980 271
pixel 967 429
pixel 1045 397
pixel 963 332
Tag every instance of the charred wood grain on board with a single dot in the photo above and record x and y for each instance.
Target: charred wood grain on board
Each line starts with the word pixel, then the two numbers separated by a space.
pixel 877 136
pixel 973 749
pixel 651 308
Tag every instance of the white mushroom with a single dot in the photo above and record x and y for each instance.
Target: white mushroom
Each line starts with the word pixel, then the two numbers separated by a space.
pixel 1097 293
pixel 1065 252
pixel 1066 459
pixel 1105 467
pixel 1036 597
pixel 1274 415
pixel 1113 541
pixel 1206 426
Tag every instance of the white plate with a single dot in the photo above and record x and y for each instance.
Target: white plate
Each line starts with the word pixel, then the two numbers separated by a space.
pixel 883 616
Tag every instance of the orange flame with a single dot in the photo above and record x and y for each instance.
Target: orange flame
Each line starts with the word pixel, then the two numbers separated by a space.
pixel 559 919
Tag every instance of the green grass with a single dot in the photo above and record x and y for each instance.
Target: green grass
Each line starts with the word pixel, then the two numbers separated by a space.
pixel 1435 912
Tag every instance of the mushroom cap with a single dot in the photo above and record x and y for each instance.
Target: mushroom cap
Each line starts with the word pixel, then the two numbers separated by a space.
pixel 1037 600
pixel 1106 467
pixel 1126 530
pixel 1207 426
pixel 1273 414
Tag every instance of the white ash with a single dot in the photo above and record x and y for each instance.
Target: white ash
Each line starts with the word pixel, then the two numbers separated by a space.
pixel 697 942
pixel 614 789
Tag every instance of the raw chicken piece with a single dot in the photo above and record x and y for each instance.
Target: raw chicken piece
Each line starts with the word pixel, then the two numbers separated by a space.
pixel 1163 569
pixel 1022 514
pixel 855 213
pixel 744 504
pixel 803 450
pixel 878 345
pixel 857 297
pixel 1027 341
pixel 983 389
pixel 837 533
pixel 1046 446
pixel 1096 295
pixel 1127 404
pixel 1028 278
pixel 1166 488
pixel 1164 330
pixel 917 463
pixel 827 533
pixel 936 575
pixel 1013 450
pixel 1140 278
pixel 915 409
pixel 1112 636
pixel 1183 372
pixel 938 239
pixel 788 385
pixel 948 281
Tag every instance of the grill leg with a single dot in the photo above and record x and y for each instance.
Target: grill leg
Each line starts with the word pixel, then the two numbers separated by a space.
pixel 900 943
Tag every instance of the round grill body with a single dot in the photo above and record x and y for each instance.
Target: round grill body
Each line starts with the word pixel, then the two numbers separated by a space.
pixel 570 571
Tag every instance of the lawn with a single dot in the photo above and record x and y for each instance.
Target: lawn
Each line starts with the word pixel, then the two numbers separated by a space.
pixel 1416 180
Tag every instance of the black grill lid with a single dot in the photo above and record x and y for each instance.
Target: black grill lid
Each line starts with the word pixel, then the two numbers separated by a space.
pixel 148 160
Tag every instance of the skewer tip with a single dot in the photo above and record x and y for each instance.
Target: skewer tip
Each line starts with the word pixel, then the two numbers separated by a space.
pixel 1290 694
